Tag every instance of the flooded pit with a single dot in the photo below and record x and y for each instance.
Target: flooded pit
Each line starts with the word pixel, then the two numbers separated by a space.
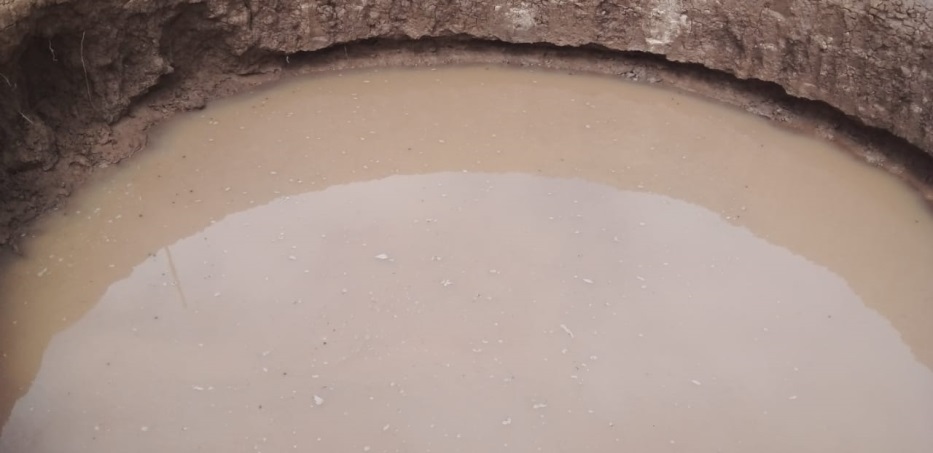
pixel 474 259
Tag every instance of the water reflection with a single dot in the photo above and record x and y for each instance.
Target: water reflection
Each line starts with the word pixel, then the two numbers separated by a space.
pixel 475 312
pixel 331 131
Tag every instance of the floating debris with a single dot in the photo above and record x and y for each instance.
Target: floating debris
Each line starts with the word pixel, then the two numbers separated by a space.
pixel 566 330
pixel 382 256
pixel 318 400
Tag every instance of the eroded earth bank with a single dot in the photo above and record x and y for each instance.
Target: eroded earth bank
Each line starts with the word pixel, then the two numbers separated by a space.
pixel 80 81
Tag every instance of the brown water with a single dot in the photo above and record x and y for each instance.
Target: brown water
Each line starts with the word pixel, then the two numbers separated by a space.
pixel 474 259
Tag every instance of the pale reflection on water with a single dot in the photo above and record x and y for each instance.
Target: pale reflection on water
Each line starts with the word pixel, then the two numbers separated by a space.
pixel 589 266
pixel 467 312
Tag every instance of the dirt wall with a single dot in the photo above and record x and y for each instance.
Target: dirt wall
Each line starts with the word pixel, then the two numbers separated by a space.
pixel 74 73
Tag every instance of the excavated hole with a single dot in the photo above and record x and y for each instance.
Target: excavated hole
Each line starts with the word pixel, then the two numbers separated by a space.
pixel 61 129
pixel 66 115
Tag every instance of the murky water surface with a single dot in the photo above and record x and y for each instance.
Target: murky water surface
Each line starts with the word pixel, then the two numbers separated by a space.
pixel 474 259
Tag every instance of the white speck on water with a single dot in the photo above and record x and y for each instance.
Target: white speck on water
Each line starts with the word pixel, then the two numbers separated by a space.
pixel 537 406
pixel 366 448
pixel 217 294
pixel 42 272
pixel 696 382
pixel 318 400
pixel 792 397
pixel 566 330
pixel 385 427
pixel 588 281
pixel 446 282
pixel 507 421
pixel 382 256
pixel 144 428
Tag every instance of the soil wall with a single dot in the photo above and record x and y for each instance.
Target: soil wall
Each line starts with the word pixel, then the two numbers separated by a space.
pixel 80 79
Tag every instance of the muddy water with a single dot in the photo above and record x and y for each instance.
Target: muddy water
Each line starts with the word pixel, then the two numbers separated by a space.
pixel 474 259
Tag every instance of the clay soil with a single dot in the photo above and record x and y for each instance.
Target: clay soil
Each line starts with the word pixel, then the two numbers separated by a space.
pixel 37 183
pixel 81 82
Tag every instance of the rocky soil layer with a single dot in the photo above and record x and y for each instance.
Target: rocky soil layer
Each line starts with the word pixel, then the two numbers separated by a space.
pixel 80 80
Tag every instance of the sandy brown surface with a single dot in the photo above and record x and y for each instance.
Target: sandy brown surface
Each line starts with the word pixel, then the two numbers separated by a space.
pixel 80 81
pixel 554 262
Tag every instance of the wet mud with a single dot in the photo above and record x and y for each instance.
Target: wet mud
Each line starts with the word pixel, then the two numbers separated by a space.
pixel 474 258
